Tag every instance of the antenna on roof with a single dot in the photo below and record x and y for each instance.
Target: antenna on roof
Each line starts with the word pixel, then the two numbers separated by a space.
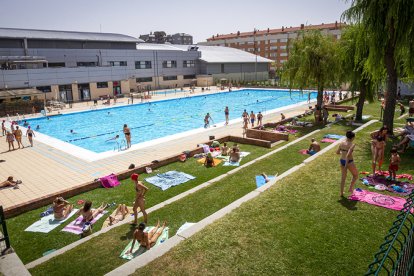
pixel 100 28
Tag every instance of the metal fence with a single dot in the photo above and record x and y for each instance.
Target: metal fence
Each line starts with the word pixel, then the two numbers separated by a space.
pixel 4 240
pixel 396 253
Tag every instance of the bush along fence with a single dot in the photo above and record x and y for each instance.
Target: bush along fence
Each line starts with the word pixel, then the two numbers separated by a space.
pixel 396 253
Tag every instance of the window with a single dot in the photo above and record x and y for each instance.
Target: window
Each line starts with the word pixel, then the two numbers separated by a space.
pixel 273 48
pixel 86 64
pixel 102 84
pixel 283 54
pixel 283 40
pixel 188 63
pixel 44 89
pixel 143 65
pixel 189 77
pixel 117 63
pixel 146 79
pixel 272 54
pixel 283 47
pixel 222 68
pixel 169 64
pixel 169 78
pixel 56 64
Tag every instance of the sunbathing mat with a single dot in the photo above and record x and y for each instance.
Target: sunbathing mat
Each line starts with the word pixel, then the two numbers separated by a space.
pixel 48 223
pixel 75 227
pixel 106 222
pixel 386 201
pixel 138 249
pixel 334 136
pixel 402 188
pixel 169 179
pixel 260 181
pixel 328 140
pixel 303 151
pixel 233 164
pixel 215 160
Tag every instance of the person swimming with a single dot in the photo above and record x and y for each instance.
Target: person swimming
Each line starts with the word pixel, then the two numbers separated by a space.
pixel 73 132
pixel 115 138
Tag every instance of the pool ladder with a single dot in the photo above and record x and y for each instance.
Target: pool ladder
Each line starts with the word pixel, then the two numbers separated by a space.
pixel 120 146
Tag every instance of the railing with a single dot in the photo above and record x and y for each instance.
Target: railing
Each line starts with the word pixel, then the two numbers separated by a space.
pixel 396 253
pixel 5 237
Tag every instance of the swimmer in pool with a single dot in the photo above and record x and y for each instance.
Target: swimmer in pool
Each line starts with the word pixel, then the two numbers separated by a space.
pixel 113 138
pixel 73 132
pixel 37 127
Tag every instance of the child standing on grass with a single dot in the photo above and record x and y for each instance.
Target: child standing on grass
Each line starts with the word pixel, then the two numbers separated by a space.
pixel 394 162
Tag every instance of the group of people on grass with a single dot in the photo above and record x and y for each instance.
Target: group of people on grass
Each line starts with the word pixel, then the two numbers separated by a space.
pixel 233 154
pixel 16 134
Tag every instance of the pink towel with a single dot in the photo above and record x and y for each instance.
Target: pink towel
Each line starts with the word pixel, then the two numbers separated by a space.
pixel 386 201
pixel 303 151
pixel 327 140
pixel 76 226
pixel 109 181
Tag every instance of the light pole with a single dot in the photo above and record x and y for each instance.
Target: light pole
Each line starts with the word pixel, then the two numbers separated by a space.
pixel 255 53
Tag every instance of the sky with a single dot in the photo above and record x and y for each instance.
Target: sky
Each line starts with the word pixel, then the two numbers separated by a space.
pixel 201 19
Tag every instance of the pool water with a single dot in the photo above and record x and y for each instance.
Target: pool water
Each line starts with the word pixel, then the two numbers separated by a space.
pixel 149 121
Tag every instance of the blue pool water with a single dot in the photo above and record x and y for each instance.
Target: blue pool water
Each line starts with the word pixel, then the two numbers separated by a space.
pixel 150 121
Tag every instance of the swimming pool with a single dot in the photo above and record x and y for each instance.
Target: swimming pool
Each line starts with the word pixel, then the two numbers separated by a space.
pixel 149 121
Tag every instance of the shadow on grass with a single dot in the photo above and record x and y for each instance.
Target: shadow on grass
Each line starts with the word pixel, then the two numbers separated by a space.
pixel 348 204
pixel 128 235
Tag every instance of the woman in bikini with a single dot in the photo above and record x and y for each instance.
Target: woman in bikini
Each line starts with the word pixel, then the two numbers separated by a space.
pixel 88 214
pixel 10 139
pixel 382 132
pixel 30 134
pixel 140 190
pixel 61 208
pixel 378 156
pixel 120 214
pixel 346 149
pixel 127 133
pixel 149 239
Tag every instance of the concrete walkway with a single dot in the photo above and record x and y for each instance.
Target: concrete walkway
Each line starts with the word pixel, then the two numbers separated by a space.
pixel 45 170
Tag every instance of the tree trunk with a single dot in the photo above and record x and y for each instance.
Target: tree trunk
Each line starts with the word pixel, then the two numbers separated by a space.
pixel 360 103
pixel 319 98
pixel 392 79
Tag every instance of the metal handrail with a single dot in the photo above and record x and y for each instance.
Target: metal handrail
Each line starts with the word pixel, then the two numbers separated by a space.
pixel 396 253
pixel 5 238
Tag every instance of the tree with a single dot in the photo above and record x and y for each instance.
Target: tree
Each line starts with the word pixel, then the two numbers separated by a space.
pixel 312 60
pixel 355 70
pixel 390 29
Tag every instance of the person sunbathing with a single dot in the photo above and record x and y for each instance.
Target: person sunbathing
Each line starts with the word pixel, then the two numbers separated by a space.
pixel 120 214
pixel 314 147
pixel 61 208
pixel 234 156
pixel 209 161
pixel 224 149
pixel 10 183
pixel 265 177
pixel 149 239
pixel 88 214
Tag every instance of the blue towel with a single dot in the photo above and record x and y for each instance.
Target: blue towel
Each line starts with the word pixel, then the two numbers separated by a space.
pixel 260 181
pixel 169 179
pixel 334 136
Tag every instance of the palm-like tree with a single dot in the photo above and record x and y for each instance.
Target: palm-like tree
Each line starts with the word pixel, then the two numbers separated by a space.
pixel 355 69
pixel 312 61
pixel 390 29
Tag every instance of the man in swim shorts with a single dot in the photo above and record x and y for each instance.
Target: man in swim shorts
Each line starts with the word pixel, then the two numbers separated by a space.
pixel 252 118
pixel 314 147
pixel 18 135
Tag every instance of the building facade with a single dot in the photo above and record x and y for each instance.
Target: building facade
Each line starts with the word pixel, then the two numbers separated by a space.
pixel 74 66
pixel 161 37
pixel 271 43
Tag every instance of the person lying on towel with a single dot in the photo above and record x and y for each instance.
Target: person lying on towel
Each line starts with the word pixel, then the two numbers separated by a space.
pixel 234 155
pixel 120 214
pixel 149 239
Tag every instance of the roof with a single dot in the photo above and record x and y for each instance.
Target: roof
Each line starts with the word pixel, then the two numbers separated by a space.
pixel 331 26
pixel 220 54
pixel 159 47
pixel 5 94
pixel 65 35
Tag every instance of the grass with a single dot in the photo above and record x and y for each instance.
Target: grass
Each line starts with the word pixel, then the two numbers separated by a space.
pixel 104 250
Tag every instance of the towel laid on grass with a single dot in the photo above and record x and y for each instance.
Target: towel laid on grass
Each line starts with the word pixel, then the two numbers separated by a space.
pixel 106 222
pixel 260 180
pixel 303 151
pixel 75 227
pixel 334 136
pixel 169 179
pixel 109 181
pixel 215 160
pixel 48 223
pixel 405 188
pixel 185 226
pixel 226 157
pixel 328 140
pixel 386 201
pixel 138 249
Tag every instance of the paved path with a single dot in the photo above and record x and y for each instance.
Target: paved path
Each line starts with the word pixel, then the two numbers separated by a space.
pixel 45 170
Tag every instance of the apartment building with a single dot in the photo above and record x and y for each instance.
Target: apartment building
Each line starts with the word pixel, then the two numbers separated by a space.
pixel 160 37
pixel 271 43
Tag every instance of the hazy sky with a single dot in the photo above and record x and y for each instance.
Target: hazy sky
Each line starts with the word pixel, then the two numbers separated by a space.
pixel 201 19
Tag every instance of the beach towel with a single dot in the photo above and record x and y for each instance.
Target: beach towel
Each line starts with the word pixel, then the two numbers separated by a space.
pixel 169 179
pixel 48 223
pixel 398 176
pixel 386 201
pixel 405 187
pixel 334 136
pixel 138 249
pixel 109 181
pixel 106 222
pixel 185 226
pixel 328 140
pixel 215 160
pixel 260 181
pixel 75 227
pixel 303 151
pixel 233 164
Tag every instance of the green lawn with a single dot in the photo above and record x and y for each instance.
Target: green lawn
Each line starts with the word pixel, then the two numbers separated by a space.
pixel 103 251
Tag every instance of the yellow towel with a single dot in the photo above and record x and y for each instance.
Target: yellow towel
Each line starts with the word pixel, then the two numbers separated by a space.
pixel 215 160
